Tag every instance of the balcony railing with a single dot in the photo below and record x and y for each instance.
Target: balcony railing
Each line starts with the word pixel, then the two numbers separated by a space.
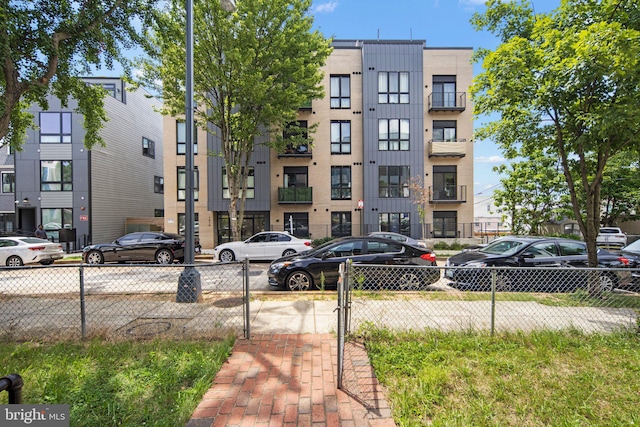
pixel 295 195
pixel 455 148
pixel 447 101
pixel 299 151
pixel 448 194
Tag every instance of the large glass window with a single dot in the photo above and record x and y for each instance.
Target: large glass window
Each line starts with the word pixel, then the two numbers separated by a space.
pixel 297 223
pixel 340 182
pixel 182 227
pixel 251 184
pixel 444 91
pixel 396 222
pixel 340 224
pixel 393 134
pixel 295 176
pixel 182 183
pixel 444 130
pixel 8 182
pixel 444 183
pixel 56 175
pixel 393 181
pixel 393 87
pixel 340 92
pixel 55 128
pixel 181 138
pixel 444 224
pixel 148 148
pixel 340 137
pixel 55 219
pixel 298 132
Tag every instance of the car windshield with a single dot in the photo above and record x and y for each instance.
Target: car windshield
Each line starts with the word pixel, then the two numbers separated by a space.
pixel 633 247
pixel 502 247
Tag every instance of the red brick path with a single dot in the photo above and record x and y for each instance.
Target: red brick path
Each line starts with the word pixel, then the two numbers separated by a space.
pixel 290 380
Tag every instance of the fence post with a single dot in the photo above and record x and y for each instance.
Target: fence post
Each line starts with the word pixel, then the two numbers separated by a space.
pixel 13 384
pixel 341 270
pixel 247 325
pixel 493 300
pixel 83 314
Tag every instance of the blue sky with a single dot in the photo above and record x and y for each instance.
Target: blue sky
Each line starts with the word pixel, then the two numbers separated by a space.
pixel 442 23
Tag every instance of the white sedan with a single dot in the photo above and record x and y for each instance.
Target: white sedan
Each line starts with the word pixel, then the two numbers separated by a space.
pixel 268 245
pixel 17 251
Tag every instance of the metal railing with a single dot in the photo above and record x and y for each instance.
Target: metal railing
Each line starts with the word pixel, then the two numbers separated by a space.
pixel 12 383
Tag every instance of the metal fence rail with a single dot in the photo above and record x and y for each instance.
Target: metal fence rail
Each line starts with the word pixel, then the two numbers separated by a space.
pixel 121 302
pixel 483 299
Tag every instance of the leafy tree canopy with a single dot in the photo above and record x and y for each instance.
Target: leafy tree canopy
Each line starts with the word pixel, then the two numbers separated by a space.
pixel 567 81
pixel 46 45
pixel 253 69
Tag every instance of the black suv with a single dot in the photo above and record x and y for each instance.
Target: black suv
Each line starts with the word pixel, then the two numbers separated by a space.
pixel 466 270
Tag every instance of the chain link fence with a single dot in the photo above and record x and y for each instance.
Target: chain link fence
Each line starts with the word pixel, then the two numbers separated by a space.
pixel 487 299
pixel 124 301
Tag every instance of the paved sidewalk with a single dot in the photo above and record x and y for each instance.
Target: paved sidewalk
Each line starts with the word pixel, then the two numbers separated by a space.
pixel 290 380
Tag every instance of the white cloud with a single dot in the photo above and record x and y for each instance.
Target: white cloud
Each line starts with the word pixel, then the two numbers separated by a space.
pixel 325 7
pixel 490 159
pixel 472 2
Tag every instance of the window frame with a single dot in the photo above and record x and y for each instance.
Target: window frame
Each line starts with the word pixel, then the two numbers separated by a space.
pixel 340 143
pixel 66 176
pixel 391 87
pixel 158 184
pixel 63 134
pixel 389 184
pixel 394 222
pixel 148 147
pixel 341 188
pixel 12 184
pixel 446 126
pixel 394 144
pixel 181 146
pixel 339 97
pixel 182 186
pixel 251 184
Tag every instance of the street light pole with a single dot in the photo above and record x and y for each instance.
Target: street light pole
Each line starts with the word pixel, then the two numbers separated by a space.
pixel 189 285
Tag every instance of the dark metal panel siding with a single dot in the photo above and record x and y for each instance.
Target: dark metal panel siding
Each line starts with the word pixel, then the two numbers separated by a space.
pixel 261 165
pixel 390 56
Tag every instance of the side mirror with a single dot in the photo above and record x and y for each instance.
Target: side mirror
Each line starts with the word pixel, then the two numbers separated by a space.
pixel 527 256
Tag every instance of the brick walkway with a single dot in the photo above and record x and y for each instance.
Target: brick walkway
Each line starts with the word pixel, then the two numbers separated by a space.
pixel 290 380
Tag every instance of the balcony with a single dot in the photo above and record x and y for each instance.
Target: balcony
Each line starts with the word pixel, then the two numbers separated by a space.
pixel 299 151
pixel 295 195
pixel 448 194
pixel 454 148
pixel 447 101
pixel 305 106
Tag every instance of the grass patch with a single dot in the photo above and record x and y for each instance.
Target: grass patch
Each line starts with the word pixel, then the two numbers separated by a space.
pixel 156 383
pixel 546 378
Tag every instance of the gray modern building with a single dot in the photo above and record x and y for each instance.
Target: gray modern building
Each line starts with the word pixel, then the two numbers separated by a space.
pixel 64 186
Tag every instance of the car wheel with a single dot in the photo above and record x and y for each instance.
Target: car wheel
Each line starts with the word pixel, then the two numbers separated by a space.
pixel 95 257
pixel 607 282
pixel 227 255
pixel 288 252
pixel 409 281
pixel 164 256
pixel 503 283
pixel 299 281
pixel 14 261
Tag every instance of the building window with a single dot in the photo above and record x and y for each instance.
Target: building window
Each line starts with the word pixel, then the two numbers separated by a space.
pixel 148 148
pixel 182 183
pixel 393 181
pixel 341 137
pixel 182 227
pixel 340 92
pixel 251 185
pixel 393 87
pixel 158 184
pixel 444 131
pixel 56 175
pixel 298 134
pixel 110 88
pixel 340 224
pixel 340 182
pixel 55 128
pixel 158 213
pixel 7 222
pixel 297 223
pixel 8 182
pixel 393 134
pixel 444 224
pixel 55 219
pixel 181 138
pixel 444 91
pixel 395 222
pixel 444 183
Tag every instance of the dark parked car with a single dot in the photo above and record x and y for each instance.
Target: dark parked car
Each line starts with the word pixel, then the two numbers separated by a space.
pixel 467 272
pixel 145 246
pixel 318 267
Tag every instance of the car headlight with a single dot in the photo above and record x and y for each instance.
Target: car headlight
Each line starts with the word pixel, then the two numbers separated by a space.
pixel 475 264
pixel 280 265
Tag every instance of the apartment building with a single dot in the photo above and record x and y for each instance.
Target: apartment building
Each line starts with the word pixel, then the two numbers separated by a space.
pixel 91 193
pixel 395 112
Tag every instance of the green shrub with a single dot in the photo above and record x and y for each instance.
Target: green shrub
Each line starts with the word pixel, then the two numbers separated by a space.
pixel 317 242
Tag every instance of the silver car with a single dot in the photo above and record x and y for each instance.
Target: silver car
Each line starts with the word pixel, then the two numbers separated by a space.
pixel 399 238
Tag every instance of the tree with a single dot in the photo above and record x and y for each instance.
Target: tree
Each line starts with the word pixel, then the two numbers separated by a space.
pixel 620 191
pixel 533 192
pixel 46 45
pixel 567 81
pixel 253 69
